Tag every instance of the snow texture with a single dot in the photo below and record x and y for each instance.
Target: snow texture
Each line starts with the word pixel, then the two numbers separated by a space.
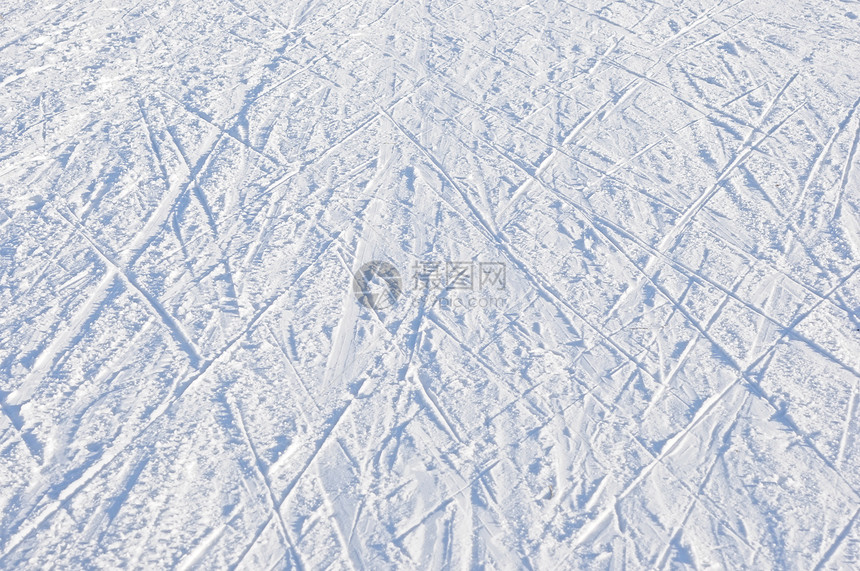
pixel 614 322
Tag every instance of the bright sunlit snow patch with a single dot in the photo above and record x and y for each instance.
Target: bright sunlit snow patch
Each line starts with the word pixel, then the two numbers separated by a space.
pixel 423 285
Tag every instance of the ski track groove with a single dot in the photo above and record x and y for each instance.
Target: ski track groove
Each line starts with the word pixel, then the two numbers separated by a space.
pixel 178 390
pixel 594 525
pixel 836 542
pixel 311 21
pixel 534 277
pixel 629 357
pixel 262 474
pixel 662 559
pixel 670 240
pixel 677 265
pixel 180 336
pixel 846 172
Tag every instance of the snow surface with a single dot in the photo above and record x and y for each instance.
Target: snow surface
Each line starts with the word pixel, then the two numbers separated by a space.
pixel 668 378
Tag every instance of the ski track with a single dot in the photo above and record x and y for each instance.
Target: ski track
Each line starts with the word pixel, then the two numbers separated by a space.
pixel 188 191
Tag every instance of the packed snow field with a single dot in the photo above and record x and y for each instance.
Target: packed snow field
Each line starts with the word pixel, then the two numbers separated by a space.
pixel 430 284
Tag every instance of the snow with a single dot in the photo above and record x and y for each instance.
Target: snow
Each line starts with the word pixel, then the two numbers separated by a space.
pixel 627 330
